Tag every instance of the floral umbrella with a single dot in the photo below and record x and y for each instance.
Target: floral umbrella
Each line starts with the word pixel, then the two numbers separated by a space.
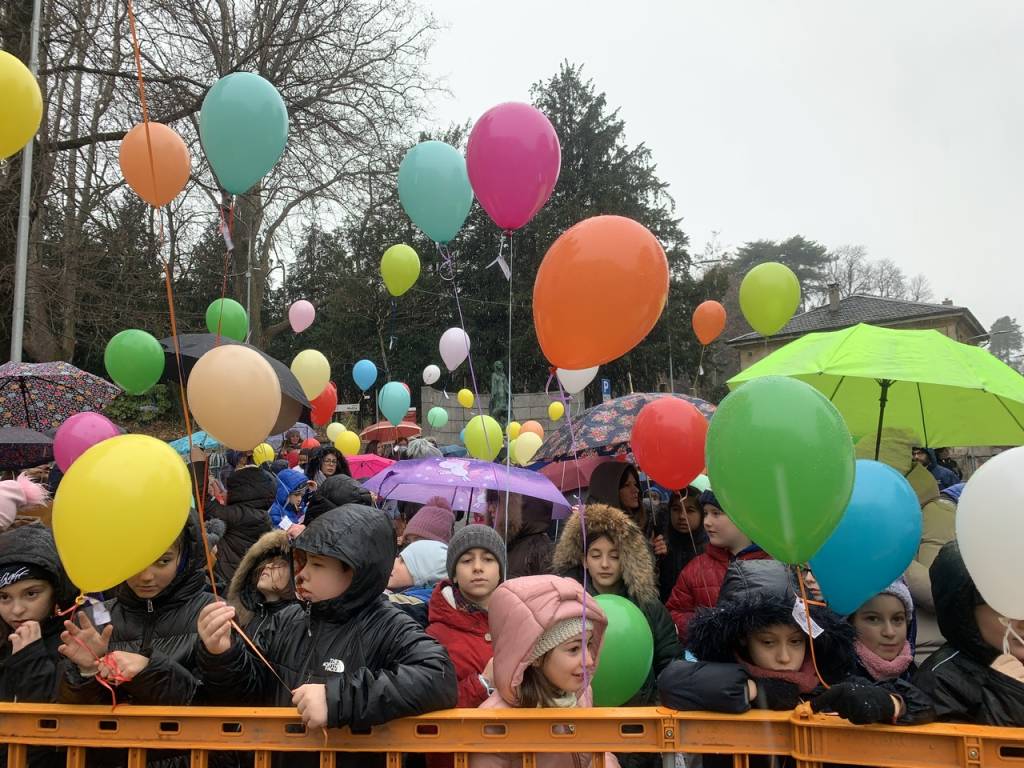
pixel 23 448
pixel 41 396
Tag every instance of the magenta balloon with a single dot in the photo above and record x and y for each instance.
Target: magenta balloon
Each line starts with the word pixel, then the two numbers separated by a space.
pixel 78 434
pixel 513 158
pixel 301 315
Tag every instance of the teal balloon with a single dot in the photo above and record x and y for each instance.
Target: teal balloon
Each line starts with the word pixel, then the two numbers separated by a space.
pixel 394 402
pixel 434 189
pixel 134 359
pixel 437 417
pixel 627 654
pixel 244 129
pixel 232 319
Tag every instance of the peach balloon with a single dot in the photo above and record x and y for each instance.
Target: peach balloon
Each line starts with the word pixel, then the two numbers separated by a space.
pixel 159 177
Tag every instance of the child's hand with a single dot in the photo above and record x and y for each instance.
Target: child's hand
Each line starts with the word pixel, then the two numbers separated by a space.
pixel 660 547
pixel 215 627
pixel 83 645
pixel 295 530
pixel 24 635
pixel 311 700
pixel 127 665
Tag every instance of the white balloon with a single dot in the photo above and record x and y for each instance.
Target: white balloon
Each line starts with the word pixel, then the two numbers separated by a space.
pixel 576 381
pixel 989 529
pixel 431 375
pixel 454 347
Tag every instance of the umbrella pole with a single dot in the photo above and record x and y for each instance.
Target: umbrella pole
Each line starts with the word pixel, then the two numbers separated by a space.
pixel 883 398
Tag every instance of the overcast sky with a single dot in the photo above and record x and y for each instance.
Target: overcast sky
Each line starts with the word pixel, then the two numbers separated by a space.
pixel 897 125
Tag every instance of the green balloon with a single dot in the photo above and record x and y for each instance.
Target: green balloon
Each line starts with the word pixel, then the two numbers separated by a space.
pixel 437 417
pixel 626 655
pixel 134 360
pixel 769 295
pixel 781 461
pixel 234 323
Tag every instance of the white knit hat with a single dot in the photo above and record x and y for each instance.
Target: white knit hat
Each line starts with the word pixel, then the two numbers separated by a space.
pixel 558 633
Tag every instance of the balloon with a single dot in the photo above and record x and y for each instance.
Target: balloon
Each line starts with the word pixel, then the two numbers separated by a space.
pixel 134 359
pixel 880 532
pixel 513 160
pixel 394 402
pixel 347 443
pixel 78 434
pixel 708 321
pixel 512 451
pixel 609 258
pixel 454 347
pixel 513 429
pixel 576 381
pixel 534 427
pixel 243 125
pixel 310 443
pixel 301 315
pixel 437 417
pixel 312 370
pixel 138 519
pixel 781 461
pixel 465 398
pixel 400 268
pixel 989 526
pixel 159 183
pixel 364 373
pixel 527 445
pixel 626 655
pixel 556 411
pixel 226 317
pixel 22 108
pixel 434 189
pixel 324 405
pixel 769 295
pixel 334 429
pixel 234 395
pixel 668 441
pixel 483 438
pixel 462 436
pixel 431 375
pixel 262 453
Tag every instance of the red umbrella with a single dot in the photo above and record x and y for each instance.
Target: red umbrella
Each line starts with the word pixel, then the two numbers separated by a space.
pixel 570 474
pixel 367 465
pixel 385 431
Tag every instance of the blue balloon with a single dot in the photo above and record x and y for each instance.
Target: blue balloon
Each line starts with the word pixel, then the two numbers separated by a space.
pixel 434 189
pixel 243 125
pixel 875 541
pixel 364 373
pixel 394 402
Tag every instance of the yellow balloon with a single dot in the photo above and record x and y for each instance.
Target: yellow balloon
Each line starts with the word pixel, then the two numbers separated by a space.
pixel 466 400
pixel 313 372
pixel 483 438
pixel 22 105
pixel 513 429
pixel 400 268
pixel 556 411
pixel 769 296
pixel 348 443
pixel 102 543
pixel 263 453
pixel 512 451
pixel 527 446
pixel 334 430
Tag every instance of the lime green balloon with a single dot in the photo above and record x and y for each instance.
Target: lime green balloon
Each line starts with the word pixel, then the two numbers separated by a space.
pixel 781 462
pixel 400 268
pixel 627 653
pixel 769 295
pixel 234 322
pixel 483 438
pixel 134 359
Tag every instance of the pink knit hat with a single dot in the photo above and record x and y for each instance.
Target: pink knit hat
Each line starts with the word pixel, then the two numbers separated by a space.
pixel 15 494
pixel 434 521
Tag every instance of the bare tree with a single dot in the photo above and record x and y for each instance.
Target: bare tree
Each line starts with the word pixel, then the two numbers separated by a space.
pixel 919 288
pixel 889 281
pixel 849 268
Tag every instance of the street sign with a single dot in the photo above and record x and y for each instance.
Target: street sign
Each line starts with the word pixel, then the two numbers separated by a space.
pixel 606 390
pixel 347 408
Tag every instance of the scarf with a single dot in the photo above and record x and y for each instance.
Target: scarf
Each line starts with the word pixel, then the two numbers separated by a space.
pixel 804 678
pixel 458 601
pixel 879 668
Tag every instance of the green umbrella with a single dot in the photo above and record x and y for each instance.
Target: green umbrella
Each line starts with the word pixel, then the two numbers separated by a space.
pixel 942 391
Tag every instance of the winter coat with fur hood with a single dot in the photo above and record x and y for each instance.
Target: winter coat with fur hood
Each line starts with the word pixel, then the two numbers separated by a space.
pixel 604 489
pixel 251 608
pixel 638 582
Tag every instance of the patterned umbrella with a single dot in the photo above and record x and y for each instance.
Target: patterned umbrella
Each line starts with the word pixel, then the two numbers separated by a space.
pixel 23 448
pixel 41 396
pixel 605 429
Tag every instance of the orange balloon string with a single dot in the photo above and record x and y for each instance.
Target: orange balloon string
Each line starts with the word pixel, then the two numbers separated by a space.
pixel 810 635
pixel 142 90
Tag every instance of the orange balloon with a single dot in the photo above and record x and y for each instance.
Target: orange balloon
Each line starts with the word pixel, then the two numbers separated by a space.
pixel 599 291
pixel 708 321
pixel 532 426
pixel 171 164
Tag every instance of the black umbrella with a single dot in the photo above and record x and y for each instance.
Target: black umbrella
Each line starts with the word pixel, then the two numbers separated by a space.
pixel 23 448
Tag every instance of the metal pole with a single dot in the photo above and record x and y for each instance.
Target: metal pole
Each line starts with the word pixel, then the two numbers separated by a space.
pixel 21 251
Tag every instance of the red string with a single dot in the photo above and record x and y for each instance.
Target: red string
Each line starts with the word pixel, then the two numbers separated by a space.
pixel 810 634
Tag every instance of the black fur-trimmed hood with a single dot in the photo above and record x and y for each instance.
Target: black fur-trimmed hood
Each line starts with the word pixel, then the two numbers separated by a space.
pixel 242 594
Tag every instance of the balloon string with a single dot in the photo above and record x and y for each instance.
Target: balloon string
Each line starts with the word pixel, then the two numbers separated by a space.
pixel 78 603
pixel 142 91
pixel 810 634
pixel 700 368
pixel 259 654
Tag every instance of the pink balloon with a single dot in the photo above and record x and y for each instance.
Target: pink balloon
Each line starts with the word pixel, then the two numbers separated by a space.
pixel 513 157
pixel 300 315
pixel 78 434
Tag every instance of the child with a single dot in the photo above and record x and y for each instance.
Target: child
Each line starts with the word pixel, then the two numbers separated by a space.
pixel 685 537
pixel 524 527
pixel 701 579
pixel 458 609
pixel 346 656
pixel 416 570
pixel 433 521
pixel 977 676
pixel 262 585
pixel 288 510
pixel 883 642
pixel 335 491
pixel 540 656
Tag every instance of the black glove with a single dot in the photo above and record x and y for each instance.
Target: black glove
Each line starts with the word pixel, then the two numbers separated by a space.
pixel 859 701
pixel 776 694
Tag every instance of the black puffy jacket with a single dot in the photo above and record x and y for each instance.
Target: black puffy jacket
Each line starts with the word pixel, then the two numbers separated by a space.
pixel 336 491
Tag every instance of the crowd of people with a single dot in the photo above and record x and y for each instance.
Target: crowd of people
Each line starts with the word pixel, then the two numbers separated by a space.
pixel 363 612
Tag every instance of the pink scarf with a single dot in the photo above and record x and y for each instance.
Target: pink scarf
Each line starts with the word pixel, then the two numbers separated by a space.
pixel 879 668
pixel 804 678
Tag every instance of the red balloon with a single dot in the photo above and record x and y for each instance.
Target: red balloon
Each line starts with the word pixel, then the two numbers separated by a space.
pixel 668 441
pixel 708 321
pixel 324 405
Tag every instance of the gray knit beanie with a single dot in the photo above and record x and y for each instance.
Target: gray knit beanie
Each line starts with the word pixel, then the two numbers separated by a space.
pixel 474 537
pixel 555 635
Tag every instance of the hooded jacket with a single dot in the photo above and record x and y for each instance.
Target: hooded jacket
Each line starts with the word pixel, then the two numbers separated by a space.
pixel 375 662
pixel 252 610
pixel 944 476
pixel 638 583
pixel 959 677
pixel 682 548
pixel 604 489
pixel 520 611
pixel 282 514
pixel 466 635
pixel 529 546
pixel 336 491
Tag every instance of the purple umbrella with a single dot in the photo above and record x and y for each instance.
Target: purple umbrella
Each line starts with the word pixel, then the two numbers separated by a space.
pixel 463 482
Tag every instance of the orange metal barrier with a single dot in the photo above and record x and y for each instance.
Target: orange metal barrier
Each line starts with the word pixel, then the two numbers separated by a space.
pixel 809 739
